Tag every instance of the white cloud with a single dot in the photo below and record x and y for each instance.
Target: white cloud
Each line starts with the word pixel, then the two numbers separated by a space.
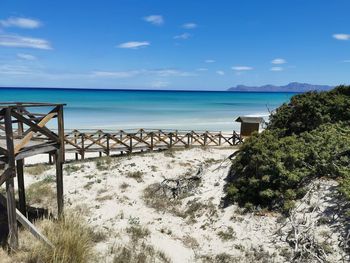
pixel 24 42
pixel 133 73
pixel 346 61
pixel 220 72
pixel 160 84
pixel 342 36
pixel 154 19
pixel 242 68
pixel 202 69
pixel 26 56
pixel 20 22
pixel 171 72
pixel 134 44
pixel 209 61
pixel 183 36
pixel 276 69
pixel 14 70
pixel 115 74
pixel 189 25
pixel 279 61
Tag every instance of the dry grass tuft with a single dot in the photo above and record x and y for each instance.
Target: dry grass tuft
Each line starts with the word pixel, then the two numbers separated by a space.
pixel 137 175
pixel 140 253
pixel 37 169
pixel 72 242
pixel 156 199
pixel 137 250
pixel 103 163
pixel 42 192
pixel 137 232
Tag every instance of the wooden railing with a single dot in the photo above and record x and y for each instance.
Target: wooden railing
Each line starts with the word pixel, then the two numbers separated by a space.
pixel 143 140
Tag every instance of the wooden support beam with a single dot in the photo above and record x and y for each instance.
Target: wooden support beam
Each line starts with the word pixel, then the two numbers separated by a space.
pixel 36 150
pixel 60 127
pixel 3 151
pixel 5 176
pixel 10 191
pixel 27 224
pixel 59 182
pixel 21 189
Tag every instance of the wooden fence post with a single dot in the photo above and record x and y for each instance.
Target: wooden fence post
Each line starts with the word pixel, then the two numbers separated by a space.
pixel 152 134
pixel 171 140
pixel 82 146
pixel 130 147
pixel 76 141
pixel 108 149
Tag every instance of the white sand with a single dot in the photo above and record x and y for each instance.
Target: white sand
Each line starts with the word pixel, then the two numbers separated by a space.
pixel 98 194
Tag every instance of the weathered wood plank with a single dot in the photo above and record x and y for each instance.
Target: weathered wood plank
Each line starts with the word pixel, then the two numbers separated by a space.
pixel 35 127
pixel 28 137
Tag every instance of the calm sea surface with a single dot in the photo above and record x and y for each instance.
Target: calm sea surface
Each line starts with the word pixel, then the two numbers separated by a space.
pixel 121 109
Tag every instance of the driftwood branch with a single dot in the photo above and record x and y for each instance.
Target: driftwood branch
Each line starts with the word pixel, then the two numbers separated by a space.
pixel 177 187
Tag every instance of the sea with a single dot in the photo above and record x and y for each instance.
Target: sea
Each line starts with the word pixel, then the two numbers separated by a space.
pixel 90 109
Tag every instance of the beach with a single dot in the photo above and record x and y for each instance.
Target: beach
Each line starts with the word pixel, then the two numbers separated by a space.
pixel 113 194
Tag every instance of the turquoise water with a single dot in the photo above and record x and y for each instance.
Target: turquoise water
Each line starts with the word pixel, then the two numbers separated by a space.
pixel 130 109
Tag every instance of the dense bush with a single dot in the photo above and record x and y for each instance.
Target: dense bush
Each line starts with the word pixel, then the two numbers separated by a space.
pixel 307 111
pixel 307 138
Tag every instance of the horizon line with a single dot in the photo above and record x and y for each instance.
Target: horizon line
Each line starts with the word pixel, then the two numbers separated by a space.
pixel 138 89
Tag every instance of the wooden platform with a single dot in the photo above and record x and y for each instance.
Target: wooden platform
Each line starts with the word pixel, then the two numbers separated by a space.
pixel 23 133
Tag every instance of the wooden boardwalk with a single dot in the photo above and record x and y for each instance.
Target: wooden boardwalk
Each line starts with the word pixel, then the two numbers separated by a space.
pixel 120 142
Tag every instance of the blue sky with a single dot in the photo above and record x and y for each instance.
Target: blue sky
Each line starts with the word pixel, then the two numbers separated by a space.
pixel 157 44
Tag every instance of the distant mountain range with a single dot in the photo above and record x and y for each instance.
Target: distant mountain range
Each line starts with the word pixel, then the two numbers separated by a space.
pixel 291 87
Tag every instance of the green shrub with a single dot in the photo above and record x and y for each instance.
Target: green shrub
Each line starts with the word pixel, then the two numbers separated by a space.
pixel 272 168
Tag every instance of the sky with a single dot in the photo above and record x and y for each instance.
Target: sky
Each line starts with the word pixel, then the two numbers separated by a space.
pixel 173 44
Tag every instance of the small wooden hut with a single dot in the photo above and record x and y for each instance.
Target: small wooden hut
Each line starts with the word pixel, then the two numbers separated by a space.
pixel 249 124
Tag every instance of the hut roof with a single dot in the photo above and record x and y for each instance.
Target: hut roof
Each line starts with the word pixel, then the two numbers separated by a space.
pixel 250 119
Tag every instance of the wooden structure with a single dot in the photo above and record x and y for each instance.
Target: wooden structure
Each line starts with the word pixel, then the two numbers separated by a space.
pixel 120 142
pixel 23 133
pixel 249 125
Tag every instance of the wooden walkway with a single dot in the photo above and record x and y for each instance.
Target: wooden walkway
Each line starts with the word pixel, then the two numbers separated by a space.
pixel 121 142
